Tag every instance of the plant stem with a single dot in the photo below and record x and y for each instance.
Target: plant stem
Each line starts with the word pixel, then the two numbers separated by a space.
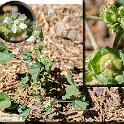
pixel 92 39
pixel 93 17
pixel 117 40
pixel 63 101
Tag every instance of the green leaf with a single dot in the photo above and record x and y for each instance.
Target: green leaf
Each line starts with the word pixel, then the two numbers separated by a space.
pixel 112 8
pixel 25 79
pixel 116 27
pixel 5 54
pixel 47 106
pixel 27 56
pixel 38 47
pixel 121 11
pixel 71 90
pixel 36 93
pixel 108 14
pixel 110 17
pixel 95 62
pixel 106 80
pixel 5 57
pixel 120 78
pixel 121 54
pixel 3 47
pixel 14 105
pixel 22 85
pixel 69 78
pixel 88 78
pixel 24 111
pixel 34 71
pixel 30 29
pixel 119 3
pixel 79 103
pixel 5 101
pixel 39 34
pixel 48 65
pixel 4 29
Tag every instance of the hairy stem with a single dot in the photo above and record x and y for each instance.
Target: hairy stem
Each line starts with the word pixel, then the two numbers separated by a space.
pixel 91 37
pixel 93 17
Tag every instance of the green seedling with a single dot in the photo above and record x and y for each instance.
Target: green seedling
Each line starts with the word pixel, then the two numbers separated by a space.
pixel 38 72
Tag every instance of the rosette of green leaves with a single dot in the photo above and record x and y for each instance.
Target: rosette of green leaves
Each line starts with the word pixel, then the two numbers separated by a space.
pixel 107 65
pixel 114 17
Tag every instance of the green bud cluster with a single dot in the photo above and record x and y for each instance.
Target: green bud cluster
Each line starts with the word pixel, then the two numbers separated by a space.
pixel 114 17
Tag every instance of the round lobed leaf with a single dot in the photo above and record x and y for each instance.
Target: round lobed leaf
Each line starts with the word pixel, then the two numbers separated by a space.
pixel 5 101
pixel 121 11
pixel 106 64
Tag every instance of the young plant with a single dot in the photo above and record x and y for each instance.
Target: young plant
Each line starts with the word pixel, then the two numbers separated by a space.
pixel 38 67
pixel 24 111
pixel 72 94
pixel 107 64
pixel 38 72
pixel 8 104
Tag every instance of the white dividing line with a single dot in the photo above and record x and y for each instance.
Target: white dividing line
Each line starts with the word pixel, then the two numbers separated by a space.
pixel 46 1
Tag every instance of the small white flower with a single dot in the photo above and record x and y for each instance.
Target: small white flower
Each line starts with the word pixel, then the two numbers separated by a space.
pixel 14 29
pixel 7 20
pixel 17 22
pixel 23 26
pixel 22 17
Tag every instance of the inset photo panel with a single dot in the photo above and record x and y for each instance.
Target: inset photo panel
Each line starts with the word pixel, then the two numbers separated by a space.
pixel 104 53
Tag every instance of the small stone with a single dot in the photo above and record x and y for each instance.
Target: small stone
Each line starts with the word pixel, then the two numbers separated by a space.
pixel 16 51
pixel 113 89
pixel 99 91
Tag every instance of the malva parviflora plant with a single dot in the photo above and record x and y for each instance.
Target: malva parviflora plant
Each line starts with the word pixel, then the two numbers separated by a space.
pixel 38 71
